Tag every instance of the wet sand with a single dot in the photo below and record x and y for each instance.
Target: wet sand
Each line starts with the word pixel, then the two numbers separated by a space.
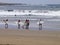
pixel 29 37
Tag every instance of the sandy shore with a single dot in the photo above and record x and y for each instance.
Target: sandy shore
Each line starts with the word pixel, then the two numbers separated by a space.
pixel 25 37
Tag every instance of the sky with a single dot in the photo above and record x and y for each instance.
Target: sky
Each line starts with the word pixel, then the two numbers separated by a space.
pixel 33 2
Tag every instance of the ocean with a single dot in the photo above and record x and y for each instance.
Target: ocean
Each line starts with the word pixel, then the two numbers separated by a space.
pixel 30 7
pixel 49 23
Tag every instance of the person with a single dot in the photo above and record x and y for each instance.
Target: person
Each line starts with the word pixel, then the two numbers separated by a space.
pixel 27 24
pixel 18 24
pixel 6 24
pixel 40 25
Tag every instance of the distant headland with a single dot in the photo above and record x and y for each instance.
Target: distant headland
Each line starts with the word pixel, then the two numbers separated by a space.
pixel 1 3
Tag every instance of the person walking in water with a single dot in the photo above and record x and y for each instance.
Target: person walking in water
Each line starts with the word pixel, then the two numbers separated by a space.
pixel 27 24
pixel 40 24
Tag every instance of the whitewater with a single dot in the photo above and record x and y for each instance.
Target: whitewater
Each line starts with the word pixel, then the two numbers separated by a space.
pixel 32 12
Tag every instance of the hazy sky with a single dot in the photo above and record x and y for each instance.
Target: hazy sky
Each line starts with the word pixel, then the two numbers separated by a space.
pixel 33 1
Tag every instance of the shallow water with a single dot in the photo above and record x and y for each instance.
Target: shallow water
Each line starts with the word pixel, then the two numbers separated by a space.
pixel 47 25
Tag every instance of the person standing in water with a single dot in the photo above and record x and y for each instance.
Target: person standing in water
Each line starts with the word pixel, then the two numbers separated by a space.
pixel 18 24
pixel 6 24
pixel 27 24
pixel 40 24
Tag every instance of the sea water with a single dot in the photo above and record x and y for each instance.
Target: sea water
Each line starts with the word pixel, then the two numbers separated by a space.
pixel 49 24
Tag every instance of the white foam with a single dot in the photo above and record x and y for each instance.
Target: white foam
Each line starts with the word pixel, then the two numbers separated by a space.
pixel 33 12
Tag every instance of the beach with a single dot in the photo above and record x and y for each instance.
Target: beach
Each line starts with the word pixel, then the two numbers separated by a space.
pixel 29 37
pixel 13 34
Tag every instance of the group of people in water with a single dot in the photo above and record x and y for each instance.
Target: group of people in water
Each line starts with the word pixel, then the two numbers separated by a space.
pixel 26 24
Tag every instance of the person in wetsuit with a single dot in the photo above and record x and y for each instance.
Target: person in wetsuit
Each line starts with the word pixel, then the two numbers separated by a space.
pixel 18 24
pixel 27 24
pixel 40 25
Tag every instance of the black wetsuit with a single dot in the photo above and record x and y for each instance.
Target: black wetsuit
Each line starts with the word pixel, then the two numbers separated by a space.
pixel 40 26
